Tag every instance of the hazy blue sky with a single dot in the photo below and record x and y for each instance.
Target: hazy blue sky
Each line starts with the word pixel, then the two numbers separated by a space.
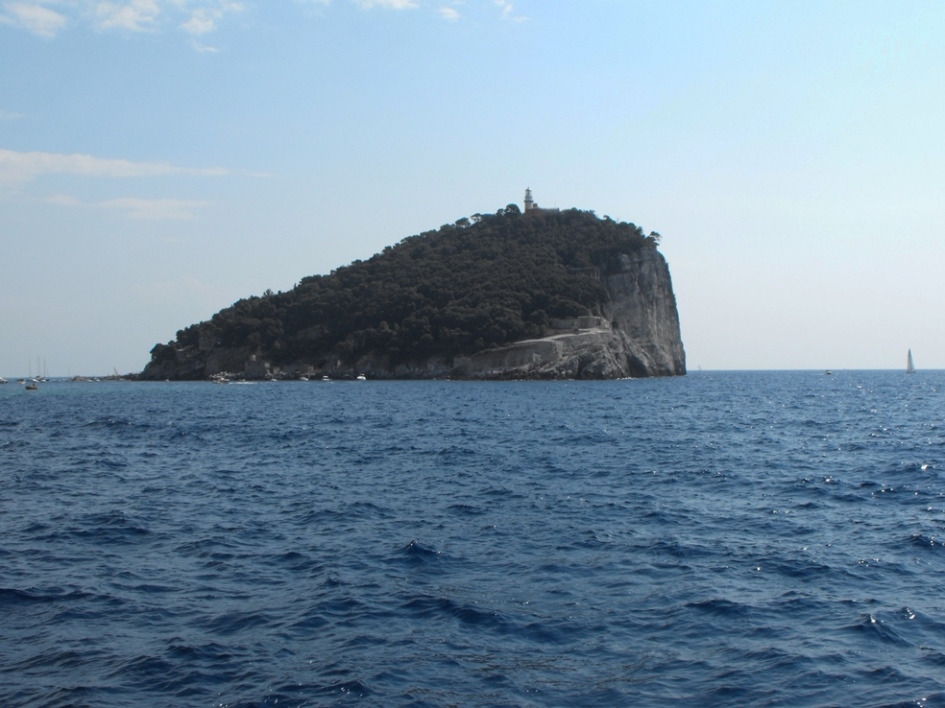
pixel 160 159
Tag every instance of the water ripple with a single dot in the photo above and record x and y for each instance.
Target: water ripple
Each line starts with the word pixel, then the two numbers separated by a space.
pixel 724 539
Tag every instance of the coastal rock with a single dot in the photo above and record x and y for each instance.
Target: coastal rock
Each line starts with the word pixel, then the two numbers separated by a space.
pixel 458 303
pixel 636 335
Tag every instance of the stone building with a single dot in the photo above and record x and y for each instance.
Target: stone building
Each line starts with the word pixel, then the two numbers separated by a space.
pixel 531 206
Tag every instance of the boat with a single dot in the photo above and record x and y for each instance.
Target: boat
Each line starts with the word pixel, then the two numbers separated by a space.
pixel 3 381
pixel 910 366
pixel 32 386
pixel 361 377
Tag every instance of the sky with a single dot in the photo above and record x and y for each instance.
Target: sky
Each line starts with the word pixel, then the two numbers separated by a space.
pixel 162 159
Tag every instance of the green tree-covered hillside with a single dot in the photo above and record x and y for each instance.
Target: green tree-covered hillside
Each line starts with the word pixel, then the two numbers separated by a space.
pixel 484 281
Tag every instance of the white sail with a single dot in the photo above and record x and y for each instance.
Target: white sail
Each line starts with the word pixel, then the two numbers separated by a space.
pixel 910 366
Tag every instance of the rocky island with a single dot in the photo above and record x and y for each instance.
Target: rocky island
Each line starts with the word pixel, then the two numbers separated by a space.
pixel 533 294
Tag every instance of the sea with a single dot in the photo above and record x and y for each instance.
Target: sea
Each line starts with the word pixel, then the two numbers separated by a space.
pixel 718 539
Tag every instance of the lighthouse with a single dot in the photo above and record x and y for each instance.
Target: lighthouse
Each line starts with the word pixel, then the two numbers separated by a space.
pixel 533 208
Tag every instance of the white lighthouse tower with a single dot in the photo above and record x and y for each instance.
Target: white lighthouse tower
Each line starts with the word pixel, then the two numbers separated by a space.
pixel 529 202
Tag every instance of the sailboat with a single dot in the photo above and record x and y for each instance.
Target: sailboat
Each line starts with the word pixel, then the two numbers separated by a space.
pixel 910 366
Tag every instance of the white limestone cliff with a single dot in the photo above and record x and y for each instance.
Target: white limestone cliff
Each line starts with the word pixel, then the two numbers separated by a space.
pixel 637 334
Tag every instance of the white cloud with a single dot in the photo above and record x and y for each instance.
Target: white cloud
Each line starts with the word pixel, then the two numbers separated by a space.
pixel 154 209
pixel 135 16
pixel 389 4
pixel 199 16
pixel 449 13
pixel 205 19
pixel 33 17
pixel 194 17
pixel 63 200
pixel 508 9
pixel 204 48
pixel 26 166
pixel 201 22
pixel 9 115
pixel 137 208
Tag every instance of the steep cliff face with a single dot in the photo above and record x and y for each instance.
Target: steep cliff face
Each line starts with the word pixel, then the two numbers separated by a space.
pixel 642 307
pixel 547 295
pixel 636 335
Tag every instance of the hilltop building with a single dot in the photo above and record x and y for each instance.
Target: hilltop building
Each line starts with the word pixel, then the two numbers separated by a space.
pixel 531 206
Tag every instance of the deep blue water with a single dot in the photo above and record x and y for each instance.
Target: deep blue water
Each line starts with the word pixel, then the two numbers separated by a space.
pixel 731 539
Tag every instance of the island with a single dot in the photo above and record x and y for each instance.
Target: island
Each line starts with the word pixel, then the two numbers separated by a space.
pixel 516 294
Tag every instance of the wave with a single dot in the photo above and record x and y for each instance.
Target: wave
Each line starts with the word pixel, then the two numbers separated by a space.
pixel 752 539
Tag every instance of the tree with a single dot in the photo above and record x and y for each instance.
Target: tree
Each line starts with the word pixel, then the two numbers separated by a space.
pixel 485 281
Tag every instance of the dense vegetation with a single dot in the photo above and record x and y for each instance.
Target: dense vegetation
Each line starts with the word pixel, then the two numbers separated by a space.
pixel 483 281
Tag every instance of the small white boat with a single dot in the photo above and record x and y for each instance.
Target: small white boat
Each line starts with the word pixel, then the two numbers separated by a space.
pixel 910 365
pixel 361 377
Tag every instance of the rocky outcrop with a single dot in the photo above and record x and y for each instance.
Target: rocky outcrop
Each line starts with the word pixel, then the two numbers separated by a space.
pixel 482 298
pixel 634 333
pixel 642 307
